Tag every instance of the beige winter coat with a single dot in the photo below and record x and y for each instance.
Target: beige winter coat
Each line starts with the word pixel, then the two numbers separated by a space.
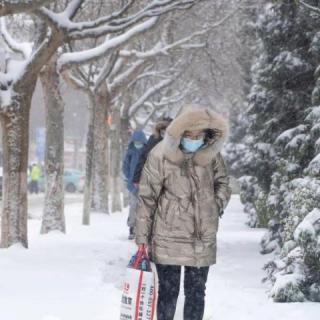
pixel 181 195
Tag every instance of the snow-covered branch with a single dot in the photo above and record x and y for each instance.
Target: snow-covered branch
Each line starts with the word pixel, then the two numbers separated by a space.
pixel 62 19
pixel 310 7
pixel 150 92
pixel 114 22
pixel 33 59
pixel 68 59
pixel 74 82
pixel 41 55
pixel 168 100
pixel 224 19
pixel 144 57
pixel 149 72
pixel 72 8
pixel 161 49
pixel 8 7
pixel 106 70
pixel 124 78
pixel 24 48
pixel 103 20
pixel 155 106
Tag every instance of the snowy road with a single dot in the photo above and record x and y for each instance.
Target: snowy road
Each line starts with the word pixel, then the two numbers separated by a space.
pixel 78 276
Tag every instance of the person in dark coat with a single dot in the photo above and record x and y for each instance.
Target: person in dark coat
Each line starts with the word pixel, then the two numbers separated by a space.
pixel 154 139
pixel 131 159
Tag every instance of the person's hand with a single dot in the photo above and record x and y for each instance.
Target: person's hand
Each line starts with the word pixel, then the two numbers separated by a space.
pixel 143 247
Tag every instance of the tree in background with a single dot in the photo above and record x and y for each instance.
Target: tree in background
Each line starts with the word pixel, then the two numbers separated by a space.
pixel 19 77
pixel 279 190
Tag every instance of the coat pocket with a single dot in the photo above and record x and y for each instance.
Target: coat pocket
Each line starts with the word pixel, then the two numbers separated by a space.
pixel 209 226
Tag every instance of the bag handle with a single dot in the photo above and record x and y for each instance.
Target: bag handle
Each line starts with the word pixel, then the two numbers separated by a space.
pixel 139 255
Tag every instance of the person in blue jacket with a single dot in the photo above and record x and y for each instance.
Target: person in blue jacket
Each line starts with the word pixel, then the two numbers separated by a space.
pixel 131 159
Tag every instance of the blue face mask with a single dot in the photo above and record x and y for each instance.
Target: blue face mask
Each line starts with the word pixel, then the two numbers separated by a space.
pixel 138 145
pixel 191 145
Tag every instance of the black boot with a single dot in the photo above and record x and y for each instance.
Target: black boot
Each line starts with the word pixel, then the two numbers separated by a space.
pixel 131 233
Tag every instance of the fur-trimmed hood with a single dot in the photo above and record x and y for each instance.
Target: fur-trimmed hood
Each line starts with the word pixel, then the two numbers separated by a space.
pixel 196 118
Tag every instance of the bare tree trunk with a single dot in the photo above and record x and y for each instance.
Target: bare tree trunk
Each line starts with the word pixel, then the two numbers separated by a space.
pixel 115 157
pixel 53 213
pixel 75 161
pixel 100 176
pixel 125 133
pixel 15 133
pixel 89 163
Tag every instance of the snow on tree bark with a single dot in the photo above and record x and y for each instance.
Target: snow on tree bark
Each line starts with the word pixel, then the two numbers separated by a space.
pixel 96 182
pixel 15 135
pixel 125 135
pixel 53 213
pixel 100 177
pixel 17 88
pixel 115 161
pixel 89 165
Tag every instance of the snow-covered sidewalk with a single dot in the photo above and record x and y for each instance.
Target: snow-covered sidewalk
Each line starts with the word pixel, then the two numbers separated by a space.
pixel 78 276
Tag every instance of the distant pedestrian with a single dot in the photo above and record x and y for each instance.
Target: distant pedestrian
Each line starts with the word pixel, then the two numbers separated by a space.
pixel 157 136
pixel 35 176
pixel 131 159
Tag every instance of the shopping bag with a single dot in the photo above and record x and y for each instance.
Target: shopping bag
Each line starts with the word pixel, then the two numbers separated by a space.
pixel 139 290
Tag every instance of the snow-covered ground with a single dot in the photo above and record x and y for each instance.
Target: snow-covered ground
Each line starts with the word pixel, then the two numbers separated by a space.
pixel 78 276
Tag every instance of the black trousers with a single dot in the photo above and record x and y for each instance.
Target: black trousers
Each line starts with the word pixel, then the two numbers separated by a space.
pixel 194 290
pixel 34 188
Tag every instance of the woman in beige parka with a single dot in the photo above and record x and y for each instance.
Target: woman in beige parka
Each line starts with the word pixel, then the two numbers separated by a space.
pixel 184 189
